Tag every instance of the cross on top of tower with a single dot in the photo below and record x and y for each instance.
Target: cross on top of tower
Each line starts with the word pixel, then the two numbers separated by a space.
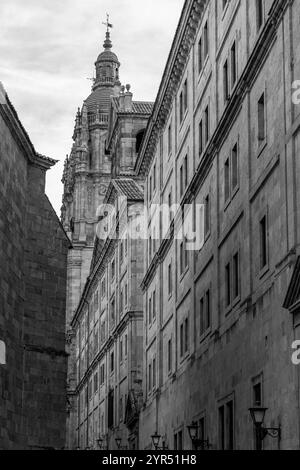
pixel 107 23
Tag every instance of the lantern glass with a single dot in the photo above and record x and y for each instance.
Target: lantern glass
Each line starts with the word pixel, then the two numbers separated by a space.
pixel 193 431
pixel 155 439
pixel 118 442
pixel 258 415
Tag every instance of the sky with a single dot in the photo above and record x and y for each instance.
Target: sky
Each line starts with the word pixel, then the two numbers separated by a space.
pixel 47 53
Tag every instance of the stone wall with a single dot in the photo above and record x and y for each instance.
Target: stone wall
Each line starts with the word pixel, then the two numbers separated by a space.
pixel 33 257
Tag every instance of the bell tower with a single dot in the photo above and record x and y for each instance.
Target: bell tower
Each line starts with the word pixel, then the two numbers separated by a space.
pixel 87 171
pixel 86 176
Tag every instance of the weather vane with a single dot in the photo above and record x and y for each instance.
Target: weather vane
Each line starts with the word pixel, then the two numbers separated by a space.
pixel 107 23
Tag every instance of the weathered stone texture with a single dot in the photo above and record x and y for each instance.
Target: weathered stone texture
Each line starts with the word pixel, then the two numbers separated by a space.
pixel 33 256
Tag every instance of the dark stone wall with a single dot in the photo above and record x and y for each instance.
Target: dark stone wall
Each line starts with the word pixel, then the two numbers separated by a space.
pixel 33 258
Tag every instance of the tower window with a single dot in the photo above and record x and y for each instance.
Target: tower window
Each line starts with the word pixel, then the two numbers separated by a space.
pixel 139 140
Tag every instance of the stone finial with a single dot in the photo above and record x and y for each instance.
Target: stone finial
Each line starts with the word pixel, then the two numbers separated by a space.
pixel 122 89
pixel 128 100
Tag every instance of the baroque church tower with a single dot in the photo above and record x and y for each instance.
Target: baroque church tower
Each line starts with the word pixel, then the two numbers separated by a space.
pixel 87 172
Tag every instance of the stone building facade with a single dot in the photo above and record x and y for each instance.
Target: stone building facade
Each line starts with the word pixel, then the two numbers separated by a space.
pixel 33 258
pixel 224 135
pixel 86 178
pixel 104 311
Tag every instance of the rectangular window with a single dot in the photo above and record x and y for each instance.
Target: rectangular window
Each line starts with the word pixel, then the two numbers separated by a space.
pixel 225 82
pixel 227 180
pixel 126 345
pixel 110 414
pixel 113 269
pixel 202 433
pixel 121 409
pixel 202 317
pixel 121 351
pixel 200 64
pixel 228 285
pixel 205 41
pixel 149 377
pixel 112 311
pixel 181 340
pixel 154 372
pixel 170 140
pixel 257 395
pixel 259 13
pixel 170 284
pixel 154 306
pixel 200 137
pixel 208 309
pixel 150 311
pixel 112 362
pixel 150 188
pixel 235 167
pixel 186 335
pixel 226 426
pixel 206 122
pixel 233 65
pixel 181 258
pixel 154 177
pixel 96 382
pixel 186 255
pixel 236 276
pixel 121 252
pixel 180 440
pixel 207 216
pixel 103 289
pixel 121 301
pixel 185 95
pixel 205 313
pixel 181 181
pixel 261 119
pixel 169 355
pixel 186 172
pixel 181 107
pixel 263 242
pixel 229 426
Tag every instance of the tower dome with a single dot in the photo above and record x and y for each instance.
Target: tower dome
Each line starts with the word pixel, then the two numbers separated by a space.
pixel 107 81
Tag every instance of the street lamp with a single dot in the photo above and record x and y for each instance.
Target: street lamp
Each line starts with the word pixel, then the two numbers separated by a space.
pixel 118 442
pixel 258 416
pixel 156 440
pixel 194 435
pixel 100 442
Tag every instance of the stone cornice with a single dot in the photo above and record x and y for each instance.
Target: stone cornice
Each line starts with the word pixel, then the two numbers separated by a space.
pixel 10 116
pixel 178 57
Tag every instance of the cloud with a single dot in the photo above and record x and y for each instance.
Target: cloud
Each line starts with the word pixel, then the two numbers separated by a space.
pixel 48 49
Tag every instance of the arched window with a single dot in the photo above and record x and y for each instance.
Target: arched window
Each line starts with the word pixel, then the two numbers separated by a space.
pixel 139 140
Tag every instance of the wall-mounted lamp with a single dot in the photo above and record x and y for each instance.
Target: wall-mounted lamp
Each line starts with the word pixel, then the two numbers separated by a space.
pixel 202 444
pixel 258 418
pixel 100 442
pixel 156 441
pixel 119 442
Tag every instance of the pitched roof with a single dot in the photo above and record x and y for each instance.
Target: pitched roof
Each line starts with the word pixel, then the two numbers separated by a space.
pixel 138 107
pixel 142 107
pixel 129 188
